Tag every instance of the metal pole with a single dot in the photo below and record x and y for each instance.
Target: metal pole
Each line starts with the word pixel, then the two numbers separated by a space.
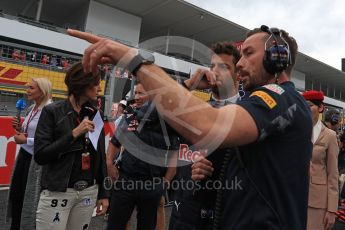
pixel 167 42
pixel 39 10
pixel 320 85
pixel 131 93
pixel 312 84
pixel 112 87
pixel 193 47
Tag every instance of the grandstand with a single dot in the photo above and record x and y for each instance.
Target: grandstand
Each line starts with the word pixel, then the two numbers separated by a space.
pixel 19 62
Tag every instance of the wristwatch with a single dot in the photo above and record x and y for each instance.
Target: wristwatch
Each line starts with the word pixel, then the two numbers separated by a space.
pixel 142 58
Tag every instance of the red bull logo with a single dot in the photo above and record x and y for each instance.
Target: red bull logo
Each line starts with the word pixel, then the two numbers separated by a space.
pixel 186 154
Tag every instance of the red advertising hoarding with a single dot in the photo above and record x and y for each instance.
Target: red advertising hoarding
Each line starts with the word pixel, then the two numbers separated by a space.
pixel 9 149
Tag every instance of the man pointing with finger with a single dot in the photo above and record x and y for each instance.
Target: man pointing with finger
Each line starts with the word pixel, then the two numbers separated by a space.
pixel 272 126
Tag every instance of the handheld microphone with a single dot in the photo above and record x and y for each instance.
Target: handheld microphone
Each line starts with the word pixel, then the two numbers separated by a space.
pixel 87 111
pixel 86 134
pixel 20 106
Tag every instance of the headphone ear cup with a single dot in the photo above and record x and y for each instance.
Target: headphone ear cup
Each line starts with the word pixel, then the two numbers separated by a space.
pixel 334 119
pixel 284 57
pixel 268 63
pixel 276 59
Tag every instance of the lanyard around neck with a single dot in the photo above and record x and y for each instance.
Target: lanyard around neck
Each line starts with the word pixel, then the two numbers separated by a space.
pixel 32 116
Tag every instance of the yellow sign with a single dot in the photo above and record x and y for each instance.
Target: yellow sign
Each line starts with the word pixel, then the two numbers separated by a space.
pixel 13 78
pixel 201 95
pixel 269 101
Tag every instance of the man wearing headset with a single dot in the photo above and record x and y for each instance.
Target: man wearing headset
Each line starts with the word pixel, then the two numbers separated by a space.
pixel 332 120
pixel 269 167
pixel 273 126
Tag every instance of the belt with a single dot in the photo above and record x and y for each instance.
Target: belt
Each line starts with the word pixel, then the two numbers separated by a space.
pixel 80 185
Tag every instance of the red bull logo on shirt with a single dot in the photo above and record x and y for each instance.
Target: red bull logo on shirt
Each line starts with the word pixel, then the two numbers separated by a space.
pixel 186 154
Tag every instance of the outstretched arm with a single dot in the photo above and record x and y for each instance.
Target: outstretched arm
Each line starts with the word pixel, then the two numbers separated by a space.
pixel 188 115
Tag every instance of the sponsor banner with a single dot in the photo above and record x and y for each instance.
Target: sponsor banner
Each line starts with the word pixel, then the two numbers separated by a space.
pixel 9 149
pixel 203 95
pixel 11 94
pixel 17 75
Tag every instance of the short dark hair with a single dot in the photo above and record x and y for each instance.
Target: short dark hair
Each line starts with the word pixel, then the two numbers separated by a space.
pixel 77 81
pixel 227 48
pixel 291 42
pixel 332 115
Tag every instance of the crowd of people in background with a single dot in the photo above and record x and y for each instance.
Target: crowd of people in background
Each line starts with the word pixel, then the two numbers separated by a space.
pixel 53 60
pixel 37 57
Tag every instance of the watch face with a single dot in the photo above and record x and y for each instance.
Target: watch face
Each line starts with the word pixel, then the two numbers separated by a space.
pixel 147 56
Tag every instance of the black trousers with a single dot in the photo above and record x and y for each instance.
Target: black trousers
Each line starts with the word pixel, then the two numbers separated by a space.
pixel 187 215
pixel 129 194
pixel 339 225
pixel 18 186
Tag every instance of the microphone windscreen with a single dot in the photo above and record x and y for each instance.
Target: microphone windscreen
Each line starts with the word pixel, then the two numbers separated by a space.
pixel 87 110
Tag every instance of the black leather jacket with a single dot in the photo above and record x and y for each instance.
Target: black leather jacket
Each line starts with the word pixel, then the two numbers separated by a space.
pixel 55 147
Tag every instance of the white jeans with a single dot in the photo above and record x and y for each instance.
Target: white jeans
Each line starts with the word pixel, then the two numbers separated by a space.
pixel 68 210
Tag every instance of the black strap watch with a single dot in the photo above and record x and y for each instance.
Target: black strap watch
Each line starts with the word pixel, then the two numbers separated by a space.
pixel 142 58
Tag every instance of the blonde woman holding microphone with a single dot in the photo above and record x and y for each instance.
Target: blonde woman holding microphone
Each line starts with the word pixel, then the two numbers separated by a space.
pixel 38 91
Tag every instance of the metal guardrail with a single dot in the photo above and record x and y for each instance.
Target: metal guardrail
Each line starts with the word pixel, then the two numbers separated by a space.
pixel 8 111
pixel 33 64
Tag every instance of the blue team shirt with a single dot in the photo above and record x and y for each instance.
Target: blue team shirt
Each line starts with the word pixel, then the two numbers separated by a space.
pixel 273 193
